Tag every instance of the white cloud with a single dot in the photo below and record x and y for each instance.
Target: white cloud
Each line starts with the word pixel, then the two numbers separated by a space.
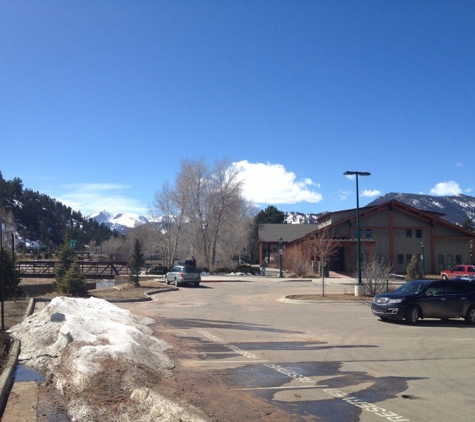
pixel 266 183
pixel 459 165
pixel 343 195
pixel 370 193
pixel 91 197
pixel 446 188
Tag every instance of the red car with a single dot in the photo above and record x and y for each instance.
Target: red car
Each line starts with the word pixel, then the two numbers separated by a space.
pixel 458 270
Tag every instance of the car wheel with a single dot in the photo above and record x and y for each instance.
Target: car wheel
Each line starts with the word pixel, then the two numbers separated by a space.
pixel 412 315
pixel 166 280
pixel 470 318
pixel 197 284
pixel 176 282
pixel 444 277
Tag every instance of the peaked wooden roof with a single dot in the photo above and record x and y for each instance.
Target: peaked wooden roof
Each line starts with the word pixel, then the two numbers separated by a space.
pixel 270 233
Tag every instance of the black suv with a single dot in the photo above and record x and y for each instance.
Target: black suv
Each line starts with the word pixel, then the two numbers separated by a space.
pixel 442 299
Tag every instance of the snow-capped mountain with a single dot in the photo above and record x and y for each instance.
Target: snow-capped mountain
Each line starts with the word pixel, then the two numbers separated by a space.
pixel 294 217
pixel 457 208
pixel 120 222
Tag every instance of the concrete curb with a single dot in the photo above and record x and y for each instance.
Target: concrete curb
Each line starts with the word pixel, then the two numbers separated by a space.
pixel 6 379
pixel 286 299
pixel 146 298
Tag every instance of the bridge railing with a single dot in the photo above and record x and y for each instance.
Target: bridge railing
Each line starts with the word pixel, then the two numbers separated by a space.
pixel 90 269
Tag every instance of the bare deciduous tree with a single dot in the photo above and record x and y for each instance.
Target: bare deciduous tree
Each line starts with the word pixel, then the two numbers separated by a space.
pixel 203 213
pixel 170 206
pixel 296 262
pixel 321 247
pixel 375 274
pixel 116 248
pixel 215 198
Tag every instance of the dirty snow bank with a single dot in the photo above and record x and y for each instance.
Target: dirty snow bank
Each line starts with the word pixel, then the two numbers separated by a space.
pixel 102 358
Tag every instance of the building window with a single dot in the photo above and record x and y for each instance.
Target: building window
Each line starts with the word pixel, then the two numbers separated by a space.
pixel 408 233
pixel 440 259
pixel 408 258
pixel 419 233
pixel 458 259
pixel 368 233
pixel 400 258
pixel 449 261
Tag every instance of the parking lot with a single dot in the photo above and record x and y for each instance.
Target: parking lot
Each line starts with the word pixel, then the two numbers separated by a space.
pixel 323 360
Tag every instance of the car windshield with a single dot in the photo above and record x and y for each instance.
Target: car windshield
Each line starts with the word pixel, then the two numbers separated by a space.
pixel 413 287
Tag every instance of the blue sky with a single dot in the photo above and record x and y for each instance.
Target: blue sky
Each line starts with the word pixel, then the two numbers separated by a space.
pixel 101 100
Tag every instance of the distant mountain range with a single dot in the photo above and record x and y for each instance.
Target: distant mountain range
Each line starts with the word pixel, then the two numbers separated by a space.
pixel 294 217
pixel 455 209
pixel 120 222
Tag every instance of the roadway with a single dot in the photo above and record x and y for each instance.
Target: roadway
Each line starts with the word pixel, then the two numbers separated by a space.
pixel 325 360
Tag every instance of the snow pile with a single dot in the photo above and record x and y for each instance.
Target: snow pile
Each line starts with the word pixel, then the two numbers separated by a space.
pixel 103 359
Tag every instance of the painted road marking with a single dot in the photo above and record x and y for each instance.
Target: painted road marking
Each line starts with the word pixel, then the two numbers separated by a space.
pixel 229 361
pixel 290 387
pixel 369 407
pixel 229 346
pixel 289 372
pixel 275 367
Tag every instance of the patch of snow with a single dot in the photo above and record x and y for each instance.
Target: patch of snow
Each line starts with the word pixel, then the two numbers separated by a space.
pixel 73 341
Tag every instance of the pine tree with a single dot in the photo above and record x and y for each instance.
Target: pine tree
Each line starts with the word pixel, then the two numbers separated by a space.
pixel 468 224
pixel 136 262
pixel 271 215
pixel 414 270
pixel 11 277
pixel 68 277
pixel 74 281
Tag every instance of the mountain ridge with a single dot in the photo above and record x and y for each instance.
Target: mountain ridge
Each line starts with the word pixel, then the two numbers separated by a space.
pixel 455 209
pixel 121 222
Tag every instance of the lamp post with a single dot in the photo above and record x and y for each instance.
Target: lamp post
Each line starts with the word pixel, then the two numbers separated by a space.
pixel 280 257
pixel 422 258
pixel 359 287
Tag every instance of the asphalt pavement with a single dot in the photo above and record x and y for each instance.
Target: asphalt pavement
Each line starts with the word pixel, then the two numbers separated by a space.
pixel 22 400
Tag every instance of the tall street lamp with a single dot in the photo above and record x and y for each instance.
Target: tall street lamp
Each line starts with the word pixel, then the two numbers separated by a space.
pixel 422 258
pixel 358 234
pixel 280 257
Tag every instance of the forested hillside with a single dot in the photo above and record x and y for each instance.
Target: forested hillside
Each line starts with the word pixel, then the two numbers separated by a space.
pixel 38 217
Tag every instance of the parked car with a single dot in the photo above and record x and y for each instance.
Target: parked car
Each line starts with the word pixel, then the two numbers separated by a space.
pixel 183 274
pixel 470 278
pixel 458 270
pixel 442 299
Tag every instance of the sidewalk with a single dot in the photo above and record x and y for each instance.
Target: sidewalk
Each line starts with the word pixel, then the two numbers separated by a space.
pixel 272 274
